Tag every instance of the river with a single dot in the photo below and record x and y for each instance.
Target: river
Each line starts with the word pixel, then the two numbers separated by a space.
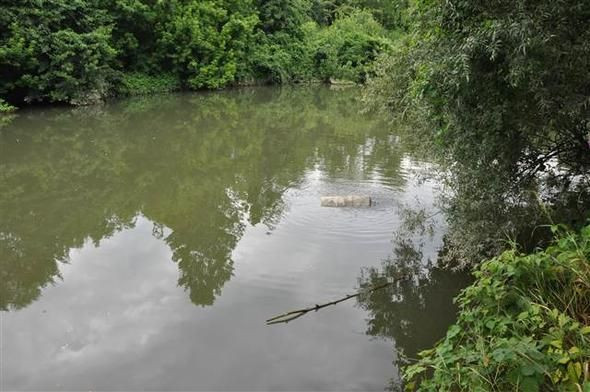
pixel 143 244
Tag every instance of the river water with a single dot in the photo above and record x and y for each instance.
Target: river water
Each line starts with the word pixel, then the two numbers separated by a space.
pixel 144 243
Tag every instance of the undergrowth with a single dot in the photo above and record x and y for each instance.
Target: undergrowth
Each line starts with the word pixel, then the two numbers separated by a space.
pixel 6 107
pixel 136 83
pixel 523 325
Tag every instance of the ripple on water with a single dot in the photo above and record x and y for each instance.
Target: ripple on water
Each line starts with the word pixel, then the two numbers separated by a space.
pixel 318 251
pixel 368 226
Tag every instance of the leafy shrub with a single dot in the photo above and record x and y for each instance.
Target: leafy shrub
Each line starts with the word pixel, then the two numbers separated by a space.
pixel 6 107
pixel 344 50
pixel 137 83
pixel 281 58
pixel 523 325
pixel 347 48
pixel 81 51
pixel 206 41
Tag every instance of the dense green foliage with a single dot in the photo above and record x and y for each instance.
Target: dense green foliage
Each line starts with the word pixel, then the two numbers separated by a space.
pixel 54 50
pixel 136 83
pixel 5 107
pixel 499 91
pixel 389 13
pixel 504 83
pixel 523 325
pixel 84 51
pixel 347 49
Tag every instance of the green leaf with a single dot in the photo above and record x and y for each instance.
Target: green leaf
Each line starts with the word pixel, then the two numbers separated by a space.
pixel 556 343
pixel 528 370
pixel 574 350
pixel 530 384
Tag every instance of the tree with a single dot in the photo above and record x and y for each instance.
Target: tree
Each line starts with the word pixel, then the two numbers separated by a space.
pixel 499 90
pixel 55 50
pixel 205 41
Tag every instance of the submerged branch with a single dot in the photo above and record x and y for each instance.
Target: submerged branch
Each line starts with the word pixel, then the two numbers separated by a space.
pixel 294 314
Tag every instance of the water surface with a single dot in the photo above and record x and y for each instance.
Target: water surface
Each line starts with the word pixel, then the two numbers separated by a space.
pixel 143 244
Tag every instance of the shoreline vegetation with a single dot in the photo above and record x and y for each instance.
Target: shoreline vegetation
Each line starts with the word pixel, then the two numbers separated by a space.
pixel 495 92
pixel 524 324
pixel 84 52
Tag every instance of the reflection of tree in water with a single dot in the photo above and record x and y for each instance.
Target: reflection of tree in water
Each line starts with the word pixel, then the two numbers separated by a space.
pixel 416 312
pixel 201 166
pixel 424 302
pixel 21 280
pixel 488 211
pixel 201 245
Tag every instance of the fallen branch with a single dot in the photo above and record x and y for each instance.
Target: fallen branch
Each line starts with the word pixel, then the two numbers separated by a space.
pixel 294 314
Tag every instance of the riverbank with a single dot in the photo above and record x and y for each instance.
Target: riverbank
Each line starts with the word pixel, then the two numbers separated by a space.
pixel 523 325
pixel 53 56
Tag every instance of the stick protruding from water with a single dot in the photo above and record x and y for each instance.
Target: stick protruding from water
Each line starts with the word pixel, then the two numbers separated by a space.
pixel 295 314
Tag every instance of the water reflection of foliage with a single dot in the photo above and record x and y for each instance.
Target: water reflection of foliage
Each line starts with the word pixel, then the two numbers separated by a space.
pixel 6 119
pixel 415 311
pixel 200 165
pixel 487 211
pixel 424 302
pixel 490 207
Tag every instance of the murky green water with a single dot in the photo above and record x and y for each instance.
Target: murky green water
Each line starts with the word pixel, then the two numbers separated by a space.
pixel 144 243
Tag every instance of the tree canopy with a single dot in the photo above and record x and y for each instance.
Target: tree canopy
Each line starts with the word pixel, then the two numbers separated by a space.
pixel 499 90
pixel 84 51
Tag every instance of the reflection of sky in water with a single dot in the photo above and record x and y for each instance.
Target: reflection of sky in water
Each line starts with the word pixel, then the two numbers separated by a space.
pixel 153 301
pixel 118 320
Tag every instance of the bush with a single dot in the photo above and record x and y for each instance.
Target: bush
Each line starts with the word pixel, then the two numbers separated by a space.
pixel 137 83
pixel 82 51
pixel 6 107
pixel 523 325
pixel 346 49
pixel 281 58
pixel 206 42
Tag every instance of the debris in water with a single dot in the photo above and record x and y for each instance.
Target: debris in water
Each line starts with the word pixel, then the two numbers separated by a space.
pixel 346 201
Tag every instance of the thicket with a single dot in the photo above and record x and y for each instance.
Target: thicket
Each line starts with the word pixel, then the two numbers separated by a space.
pixel 498 91
pixel 523 325
pixel 82 51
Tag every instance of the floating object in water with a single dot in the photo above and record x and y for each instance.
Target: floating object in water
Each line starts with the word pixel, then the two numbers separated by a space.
pixel 342 82
pixel 345 201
